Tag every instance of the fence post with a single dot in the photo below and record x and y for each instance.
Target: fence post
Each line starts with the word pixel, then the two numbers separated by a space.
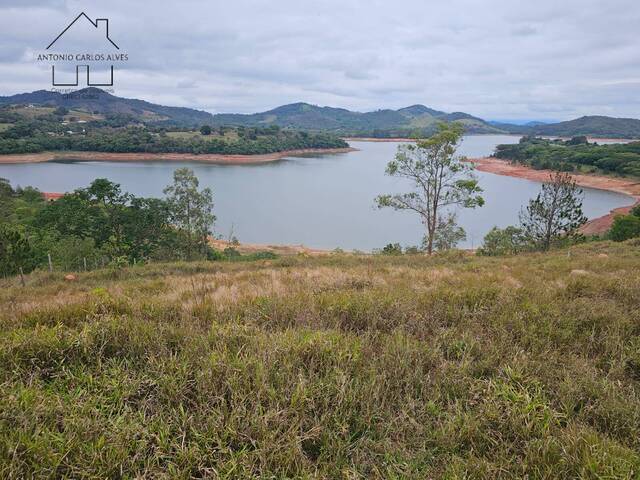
pixel 50 263
pixel 84 260
pixel 22 277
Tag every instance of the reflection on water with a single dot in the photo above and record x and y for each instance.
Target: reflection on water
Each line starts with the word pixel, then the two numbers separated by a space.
pixel 324 201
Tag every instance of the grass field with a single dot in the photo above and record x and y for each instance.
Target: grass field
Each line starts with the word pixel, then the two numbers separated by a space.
pixel 328 367
pixel 229 135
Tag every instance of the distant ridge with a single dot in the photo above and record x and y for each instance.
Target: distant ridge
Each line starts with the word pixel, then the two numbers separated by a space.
pixel 414 120
pixel 95 100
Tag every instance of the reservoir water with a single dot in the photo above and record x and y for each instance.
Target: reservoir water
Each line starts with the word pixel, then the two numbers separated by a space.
pixel 322 201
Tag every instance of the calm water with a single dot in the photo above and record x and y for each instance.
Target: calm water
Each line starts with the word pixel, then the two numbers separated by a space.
pixel 324 201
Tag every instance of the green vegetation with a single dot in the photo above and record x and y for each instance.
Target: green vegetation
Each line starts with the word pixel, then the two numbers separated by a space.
pixel 555 214
pixel 100 223
pixel 440 180
pixel 594 126
pixel 504 241
pixel 626 226
pixel 96 103
pixel 117 134
pixel 334 367
pixel 575 154
pixel 552 219
pixel 415 121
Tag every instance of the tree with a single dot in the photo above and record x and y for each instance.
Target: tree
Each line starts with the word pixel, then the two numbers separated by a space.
pixel 555 213
pixel 205 130
pixel 440 179
pixel 190 210
pixel 507 241
pixel 625 227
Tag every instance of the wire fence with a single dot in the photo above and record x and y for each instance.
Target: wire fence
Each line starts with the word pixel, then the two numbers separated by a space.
pixel 74 265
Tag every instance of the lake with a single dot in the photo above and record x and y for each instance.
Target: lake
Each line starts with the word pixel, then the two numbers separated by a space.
pixel 322 201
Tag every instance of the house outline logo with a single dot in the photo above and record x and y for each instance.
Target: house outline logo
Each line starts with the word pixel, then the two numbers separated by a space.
pixel 95 24
pixel 100 25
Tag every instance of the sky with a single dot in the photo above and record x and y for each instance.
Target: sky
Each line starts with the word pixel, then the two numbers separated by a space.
pixel 497 59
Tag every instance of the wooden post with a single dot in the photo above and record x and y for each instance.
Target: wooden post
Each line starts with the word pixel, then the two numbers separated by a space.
pixel 22 277
pixel 84 260
pixel 50 263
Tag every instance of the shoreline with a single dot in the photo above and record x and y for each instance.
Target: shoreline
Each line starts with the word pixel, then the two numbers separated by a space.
pixel 213 158
pixel 402 139
pixel 595 226
pixel 372 139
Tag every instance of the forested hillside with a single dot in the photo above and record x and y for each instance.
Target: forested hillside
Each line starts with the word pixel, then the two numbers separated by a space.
pixel 574 154
pixel 38 129
pixel 416 120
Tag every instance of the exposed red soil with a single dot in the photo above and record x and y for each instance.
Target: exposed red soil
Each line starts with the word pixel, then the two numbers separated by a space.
pixel 165 157
pixel 597 226
pixel 371 139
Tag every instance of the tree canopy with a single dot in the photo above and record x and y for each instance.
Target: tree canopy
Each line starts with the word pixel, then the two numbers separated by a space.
pixel 440 179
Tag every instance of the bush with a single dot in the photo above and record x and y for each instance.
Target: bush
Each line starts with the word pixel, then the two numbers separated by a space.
pixel 392 249
pixel 68 253
pixel 15 251
pixel 625 227
pixel 507 241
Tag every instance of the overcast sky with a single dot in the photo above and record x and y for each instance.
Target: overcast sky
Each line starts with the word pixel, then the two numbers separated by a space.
pixel 498 59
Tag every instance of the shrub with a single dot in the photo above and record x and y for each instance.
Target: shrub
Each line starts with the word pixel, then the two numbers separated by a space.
pixel 625 227
pixel 392 249
pixel 507 241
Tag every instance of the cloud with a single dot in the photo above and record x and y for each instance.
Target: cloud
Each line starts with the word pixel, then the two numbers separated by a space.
pixel 494 59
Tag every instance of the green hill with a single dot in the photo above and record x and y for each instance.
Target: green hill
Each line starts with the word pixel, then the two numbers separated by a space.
pixel 593 126
pixel 416 119
pixel 96 101
pixel 408 121
pixel 333 367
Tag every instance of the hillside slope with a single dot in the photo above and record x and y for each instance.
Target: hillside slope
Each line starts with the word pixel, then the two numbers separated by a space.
pixel 412 120
pixel 383 123
pixel 332 367
pixel 596 125
pixel 95 100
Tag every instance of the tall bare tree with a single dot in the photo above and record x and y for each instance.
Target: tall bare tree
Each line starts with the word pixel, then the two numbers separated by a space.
pixel 555 213
pixel 440 179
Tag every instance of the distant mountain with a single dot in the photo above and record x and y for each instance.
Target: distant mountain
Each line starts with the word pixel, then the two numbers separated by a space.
pixel 407 121
pixel 593 126
pixel 96 101
pixel 381 123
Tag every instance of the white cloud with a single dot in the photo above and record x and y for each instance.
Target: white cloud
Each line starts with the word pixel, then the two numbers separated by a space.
pixel 495 59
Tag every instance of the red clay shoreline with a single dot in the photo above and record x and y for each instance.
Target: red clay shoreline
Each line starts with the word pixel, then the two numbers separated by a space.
pixel 596 226
pixel 213 158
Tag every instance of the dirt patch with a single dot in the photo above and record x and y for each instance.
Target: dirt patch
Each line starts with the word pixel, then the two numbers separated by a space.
pixel 248 248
